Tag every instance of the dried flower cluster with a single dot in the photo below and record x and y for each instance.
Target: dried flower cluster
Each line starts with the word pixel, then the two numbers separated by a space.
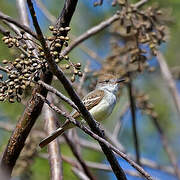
pixel 137 33
pixel 142 101
pixel 24 71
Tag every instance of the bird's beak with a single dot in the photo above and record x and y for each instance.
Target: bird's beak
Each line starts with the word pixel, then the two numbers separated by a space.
pixel 119 80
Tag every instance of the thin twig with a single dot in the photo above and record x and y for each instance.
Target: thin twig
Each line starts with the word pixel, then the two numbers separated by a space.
pixel 166 74
pixel 67 85
pixel 52 19
pixel 82 80
pixel 90 164
pixel 55 159
pixel 167 148
pixel 96 29
pixel 98 138
pixel 4 69
pixel 90 33
pixel 32 111
pixel 76 153
pixel 118 124
pixel 144 161
pixel 45 11
pixel 12 27
pixel 79 174
pixel 140 3
pixel 79 158
pixel 3 31
pixel 133 115
pixel 23 27
pixel 59 94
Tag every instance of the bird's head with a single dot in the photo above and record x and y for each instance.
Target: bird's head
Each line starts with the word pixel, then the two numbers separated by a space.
pixel 109 82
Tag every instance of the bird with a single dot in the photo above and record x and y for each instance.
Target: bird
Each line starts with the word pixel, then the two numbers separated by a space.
pixel 99 102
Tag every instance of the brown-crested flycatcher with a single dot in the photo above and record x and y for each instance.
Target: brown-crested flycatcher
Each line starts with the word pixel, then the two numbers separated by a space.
pixel 99 103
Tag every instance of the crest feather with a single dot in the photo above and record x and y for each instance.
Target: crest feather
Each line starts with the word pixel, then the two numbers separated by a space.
pixel 106 77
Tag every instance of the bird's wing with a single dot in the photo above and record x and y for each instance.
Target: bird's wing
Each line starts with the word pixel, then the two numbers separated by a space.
pixel 91 100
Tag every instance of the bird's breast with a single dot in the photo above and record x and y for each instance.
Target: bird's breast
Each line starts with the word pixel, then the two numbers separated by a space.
pixel 104 108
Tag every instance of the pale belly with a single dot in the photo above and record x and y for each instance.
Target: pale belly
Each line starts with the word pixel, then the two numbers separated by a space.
pixel 104 108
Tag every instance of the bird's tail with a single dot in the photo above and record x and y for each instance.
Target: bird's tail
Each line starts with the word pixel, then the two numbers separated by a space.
pixel 54 135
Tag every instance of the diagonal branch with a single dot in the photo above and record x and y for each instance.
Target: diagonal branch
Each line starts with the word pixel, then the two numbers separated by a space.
pixel 72 146
pixel 52 20
pixel 134 122
pixel 79 158
pixel 140 3
pixel 45 11
pixel 31 113
pixel 94 30
pixel 59 94
pixel 98 138
pixel 55 159
pixel 4 31
pixel 169 80
pixel 23 27
pixel 90 33
pixel 23 127
pixel 167 148
pixel 79 174
pixel 75 98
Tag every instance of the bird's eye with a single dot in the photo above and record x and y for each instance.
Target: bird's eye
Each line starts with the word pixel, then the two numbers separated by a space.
pixel 106 81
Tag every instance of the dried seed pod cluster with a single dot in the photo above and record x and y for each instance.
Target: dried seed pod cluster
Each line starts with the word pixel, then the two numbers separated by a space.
pixel 20 72
pixel 140 33
pixel 24 71
pixel 144 28
pixel 142 101
pixel 57 40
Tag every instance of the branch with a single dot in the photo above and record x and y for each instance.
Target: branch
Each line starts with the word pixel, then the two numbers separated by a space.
pixel 67 85
pixel 4 31
pixel 45 11
pixel 55 160
pixel 98 138
pixel 140 3
pixel 80 174
pixel 59 94
pixel 23 127
pixel 32 111
pixel 21 5
pixel 169 80
pixel 75 151
pixel 133 113
pixel 117 127
pixel 79 158
pixel 23 27
pixel 52 20
pixel 90 33
pixel 144 161
pixel 167 148
pixel 97 28
pixel 93 165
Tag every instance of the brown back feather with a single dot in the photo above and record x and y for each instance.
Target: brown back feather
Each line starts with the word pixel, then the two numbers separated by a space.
pixel 96 98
